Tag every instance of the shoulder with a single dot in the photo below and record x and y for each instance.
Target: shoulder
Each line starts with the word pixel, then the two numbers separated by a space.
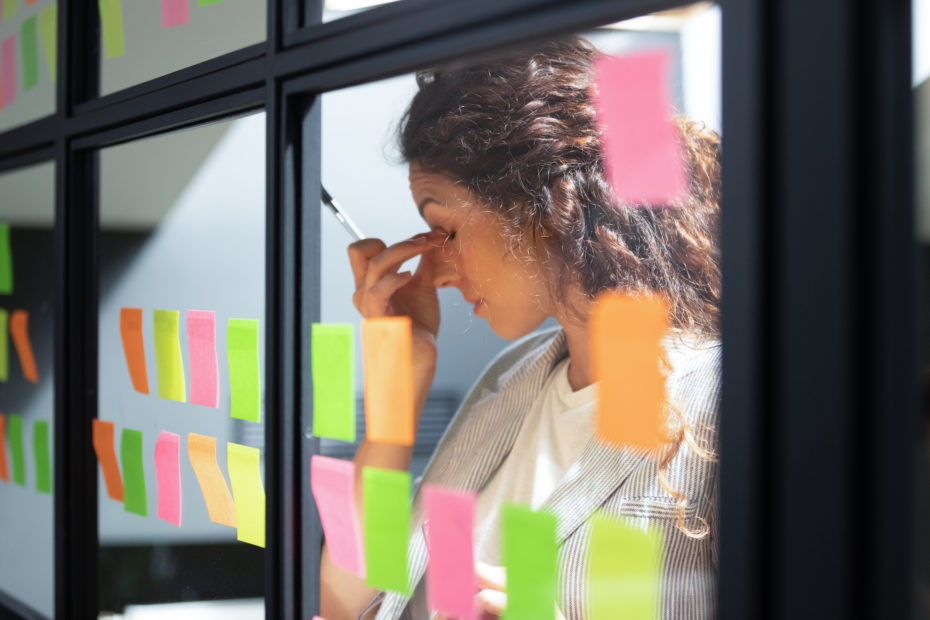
pixel 517 356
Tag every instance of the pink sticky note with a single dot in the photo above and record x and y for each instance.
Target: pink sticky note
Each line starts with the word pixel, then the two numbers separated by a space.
pixel 168 473
pixel 201 352
pixel 450 575
pixel 8 77
pixel 642 152
pixel 333 485
pixel 173 13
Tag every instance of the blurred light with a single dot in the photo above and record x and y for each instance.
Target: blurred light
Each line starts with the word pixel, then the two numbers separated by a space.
pixel 351 5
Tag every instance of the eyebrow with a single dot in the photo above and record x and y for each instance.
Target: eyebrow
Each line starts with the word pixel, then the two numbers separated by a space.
pixel 423 204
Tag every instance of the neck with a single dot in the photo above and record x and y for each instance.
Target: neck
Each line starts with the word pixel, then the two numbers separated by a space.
pixel 580 373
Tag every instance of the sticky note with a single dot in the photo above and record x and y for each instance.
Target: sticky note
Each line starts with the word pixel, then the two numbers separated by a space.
pixel 17 455
pixel 106 456
pixel 4 471
pixel 529 555
pixel 31 1
pixel 8 75
pixel 332 352
pixel 207 2
pixel 245 476
pixel 111 25
pixel 333 484
pixel 19 329
pixel 643 155
pixel 450 574
pixel 386 501
pixel 201 451
pixel 626 348
pixel 173 13
pixel 42 461
pixel 244 375
pixel 130 330
pixel 9 8
pixel 168 364
pixel 130 456
pixel 4 346
pixel 48 34
pixel 387 354
pixel 624 570
pixel 168 477
pixel 29 45
pixel 201 355
pixel 6 256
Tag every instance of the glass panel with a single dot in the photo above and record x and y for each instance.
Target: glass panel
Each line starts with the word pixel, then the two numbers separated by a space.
pixel 27 388
pixel 503 162
pixel 145 40
pixel 337 9
pixel 28 35
pixel 182 222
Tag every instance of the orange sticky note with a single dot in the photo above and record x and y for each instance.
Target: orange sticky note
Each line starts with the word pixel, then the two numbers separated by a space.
pixel 19 330
pixel 106 455
pixel 130 329
pixel 4 472
pixel 201 451
pixel 387 353
pixel 626 348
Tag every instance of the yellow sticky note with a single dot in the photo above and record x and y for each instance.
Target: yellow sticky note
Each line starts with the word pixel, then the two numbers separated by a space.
pixel 245 475
pixel 111 24
pixel 168 363
pixel 9 8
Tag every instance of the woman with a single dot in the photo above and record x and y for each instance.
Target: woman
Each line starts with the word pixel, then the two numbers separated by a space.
pixel 505 169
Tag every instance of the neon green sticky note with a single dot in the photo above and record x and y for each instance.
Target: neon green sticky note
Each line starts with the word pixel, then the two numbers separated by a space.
pixel 625 570
pixel 6 261
pixel 207 2
pixel 4 345
pixel 48 33
pixel 111 23
pixel 529 555
pixel 245 477
pixel 40 448
pixel 29 45
pixel 332 351
pixel 130 457
pixel 168 364
pixel 387 528
pixel 17 456
pixel 245 397
pixel 9 8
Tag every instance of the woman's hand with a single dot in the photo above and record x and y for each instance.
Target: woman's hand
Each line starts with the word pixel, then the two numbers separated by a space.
pixel 491 600
pixel 381 291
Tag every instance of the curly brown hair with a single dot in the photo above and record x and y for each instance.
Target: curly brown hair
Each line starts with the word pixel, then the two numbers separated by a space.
pixel 520 132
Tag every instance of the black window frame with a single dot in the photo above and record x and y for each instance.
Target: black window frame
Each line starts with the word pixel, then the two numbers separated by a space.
pixel 819 410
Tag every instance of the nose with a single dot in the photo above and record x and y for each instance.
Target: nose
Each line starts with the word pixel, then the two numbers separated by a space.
pixel 445 271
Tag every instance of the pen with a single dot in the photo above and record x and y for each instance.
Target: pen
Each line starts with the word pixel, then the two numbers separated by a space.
pixel 341 215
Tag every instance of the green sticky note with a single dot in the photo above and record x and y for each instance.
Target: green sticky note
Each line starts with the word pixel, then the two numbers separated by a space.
pixel 245 395
pixel 15 432
pixel 40 448
pixel 48 33
pixel 6 261
pixel 332 351
pixel 4 345
pixel 625 570
pixel 29 45
pixel 207 2
pixel 9 8
pixel 168 364
pixel 111 23
pixel 130 457
pixel 387 528
pixel 529 555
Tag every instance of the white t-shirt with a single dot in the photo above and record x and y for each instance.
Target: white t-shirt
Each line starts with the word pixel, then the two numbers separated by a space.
pixel 552 437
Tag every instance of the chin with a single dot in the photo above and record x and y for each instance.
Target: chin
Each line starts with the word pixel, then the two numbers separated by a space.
pixel 516 329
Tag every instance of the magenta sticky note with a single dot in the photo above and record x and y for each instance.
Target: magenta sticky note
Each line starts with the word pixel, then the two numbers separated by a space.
pixel 642 151
pixel 8 77
pixel 201 353
pixel 168 474
pixel 173 13
pixel 333 484
pixel 450 574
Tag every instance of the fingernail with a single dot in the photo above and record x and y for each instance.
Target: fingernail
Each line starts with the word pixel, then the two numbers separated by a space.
pixel 420 238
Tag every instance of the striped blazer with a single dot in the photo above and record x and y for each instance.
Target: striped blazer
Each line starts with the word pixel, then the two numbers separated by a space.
pixel 618 482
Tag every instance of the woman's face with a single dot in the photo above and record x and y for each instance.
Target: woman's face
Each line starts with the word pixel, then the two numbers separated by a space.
pixel 510 293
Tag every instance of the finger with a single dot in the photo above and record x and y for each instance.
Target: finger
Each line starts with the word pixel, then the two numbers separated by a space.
pixel 424 270
pixel 377 297
pixel 393 257
pixel 491 602
pixel 360 253
pixel 492 577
